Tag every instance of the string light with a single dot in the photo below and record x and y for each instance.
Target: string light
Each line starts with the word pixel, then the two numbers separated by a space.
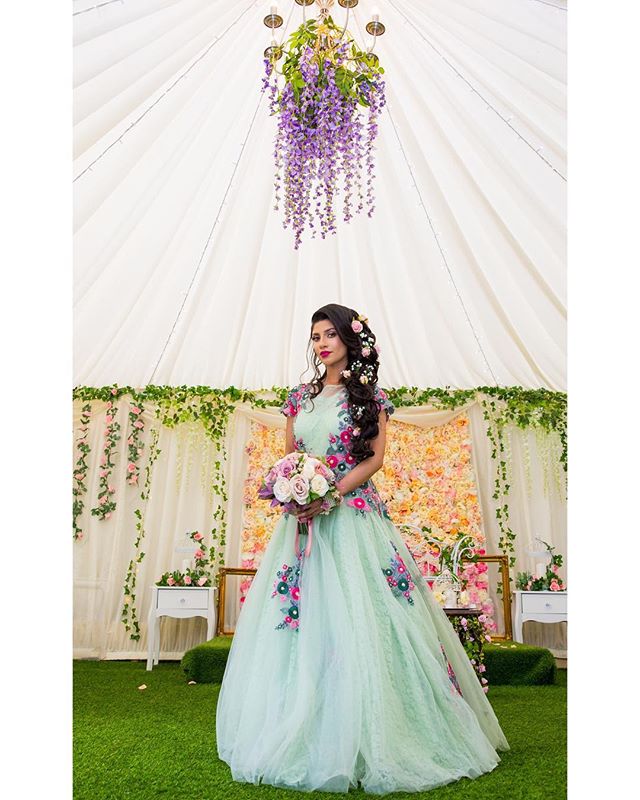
pixel 475 91
pixel 165 93
pixel 94 8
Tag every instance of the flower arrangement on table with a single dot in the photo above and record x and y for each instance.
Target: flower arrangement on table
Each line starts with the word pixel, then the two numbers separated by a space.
pixel 198 575
pixel 549 582
pixel 321 134
pixel 293 483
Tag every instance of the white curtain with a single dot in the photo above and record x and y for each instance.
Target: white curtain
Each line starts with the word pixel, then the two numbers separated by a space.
pixel 181 501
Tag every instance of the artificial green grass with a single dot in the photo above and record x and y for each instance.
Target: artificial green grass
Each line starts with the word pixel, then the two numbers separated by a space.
pixel 515 664
pixel 160 742
pixel 506 662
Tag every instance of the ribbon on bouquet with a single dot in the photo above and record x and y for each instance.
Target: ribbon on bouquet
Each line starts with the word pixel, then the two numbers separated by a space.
pixel 309 525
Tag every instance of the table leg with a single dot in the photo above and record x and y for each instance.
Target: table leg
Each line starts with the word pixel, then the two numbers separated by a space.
pixel 157 641
pixel 150 640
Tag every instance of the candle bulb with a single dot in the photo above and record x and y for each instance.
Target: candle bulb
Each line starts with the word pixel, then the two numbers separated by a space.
pixel 274 10
pixel 375 14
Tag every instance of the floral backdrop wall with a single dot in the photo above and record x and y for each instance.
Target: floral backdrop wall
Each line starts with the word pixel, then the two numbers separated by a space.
pixel 427 481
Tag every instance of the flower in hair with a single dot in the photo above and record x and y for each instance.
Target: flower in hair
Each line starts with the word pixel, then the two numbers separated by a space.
pixel 356 326
pixel 364 379
pixel 346 373
pixel 366 352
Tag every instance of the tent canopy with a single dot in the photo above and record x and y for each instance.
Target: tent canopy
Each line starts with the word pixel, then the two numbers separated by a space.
pixel 183 272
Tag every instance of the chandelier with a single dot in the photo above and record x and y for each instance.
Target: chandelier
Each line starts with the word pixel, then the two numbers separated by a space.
pixel 328 39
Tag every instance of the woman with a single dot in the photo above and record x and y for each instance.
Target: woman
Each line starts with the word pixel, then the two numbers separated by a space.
pixel 353 686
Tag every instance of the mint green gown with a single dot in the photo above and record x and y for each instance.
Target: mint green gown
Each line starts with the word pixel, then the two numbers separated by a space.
pixel 340 674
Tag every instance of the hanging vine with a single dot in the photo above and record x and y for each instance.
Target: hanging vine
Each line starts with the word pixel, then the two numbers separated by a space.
pixel 129 613
pixel 106 504
pixel 80 471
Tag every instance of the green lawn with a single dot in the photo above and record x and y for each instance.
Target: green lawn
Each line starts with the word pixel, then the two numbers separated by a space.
pixel 160 742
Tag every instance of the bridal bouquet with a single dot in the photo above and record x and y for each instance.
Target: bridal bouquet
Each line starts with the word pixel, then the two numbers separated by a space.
pixel 297 480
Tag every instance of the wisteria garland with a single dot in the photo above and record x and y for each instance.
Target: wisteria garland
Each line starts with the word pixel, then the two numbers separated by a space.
pixel 106 505
pixel 321 136
pixel 80 472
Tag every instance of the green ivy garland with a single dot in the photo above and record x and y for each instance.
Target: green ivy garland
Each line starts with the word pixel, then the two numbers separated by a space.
pixel 526 408
pixel 80 471
pixel 129 615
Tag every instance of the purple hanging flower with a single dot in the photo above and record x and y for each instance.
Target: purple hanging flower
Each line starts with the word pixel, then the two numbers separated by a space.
pixel 324 143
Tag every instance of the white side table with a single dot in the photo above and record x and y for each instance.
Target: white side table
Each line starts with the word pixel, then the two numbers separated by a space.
pixel 539 607
pixel 181 602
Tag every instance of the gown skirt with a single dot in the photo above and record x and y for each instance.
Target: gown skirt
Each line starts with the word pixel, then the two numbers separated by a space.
pixel 336 679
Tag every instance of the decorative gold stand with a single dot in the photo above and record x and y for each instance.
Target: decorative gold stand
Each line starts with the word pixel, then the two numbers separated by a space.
pixel 506 592
pixel 224 571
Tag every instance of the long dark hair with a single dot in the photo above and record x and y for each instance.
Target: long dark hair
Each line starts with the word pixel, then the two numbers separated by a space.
pixel 362 405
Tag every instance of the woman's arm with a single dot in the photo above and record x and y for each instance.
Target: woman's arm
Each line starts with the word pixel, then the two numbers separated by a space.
pixel 290 444
pixel 365 469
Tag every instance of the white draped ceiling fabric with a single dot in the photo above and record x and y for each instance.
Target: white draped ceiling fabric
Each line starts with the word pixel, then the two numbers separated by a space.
pixel 183 272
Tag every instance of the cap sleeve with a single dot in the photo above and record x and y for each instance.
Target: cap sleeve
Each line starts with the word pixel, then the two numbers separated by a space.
pixel 290 406
pixel 383 401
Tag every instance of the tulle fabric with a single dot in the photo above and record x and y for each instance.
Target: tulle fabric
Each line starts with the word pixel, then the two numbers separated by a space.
pixel 360 693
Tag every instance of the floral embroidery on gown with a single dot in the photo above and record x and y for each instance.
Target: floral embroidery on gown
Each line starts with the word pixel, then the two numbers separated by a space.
pixel 344 671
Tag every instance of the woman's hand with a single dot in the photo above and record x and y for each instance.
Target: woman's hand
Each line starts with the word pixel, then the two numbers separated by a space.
pixel 309 511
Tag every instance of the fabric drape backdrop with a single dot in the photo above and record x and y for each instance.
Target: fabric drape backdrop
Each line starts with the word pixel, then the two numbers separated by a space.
pixel 181 501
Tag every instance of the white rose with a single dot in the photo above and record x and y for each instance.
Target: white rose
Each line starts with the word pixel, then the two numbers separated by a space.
pixel 300 489
pixel 319 485
pixel 309 469
pixel 282 490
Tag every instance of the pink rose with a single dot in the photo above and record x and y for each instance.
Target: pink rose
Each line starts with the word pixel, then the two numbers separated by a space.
pixel 198 536
pixel 114 391
pixel 107 515
pixel 358 502
pixel 131 467
pixel 555 568
pixel 133 479
pixel 111 489
pixel 108 419
pixel 136 410
pixel 130 440
pixel 138 424
pixel 103 460
pixel 103 499
pixel 202 580
pixel 170 581
pixel 187 579
pixel 198 554
pixel 356 326
pixel 345 436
